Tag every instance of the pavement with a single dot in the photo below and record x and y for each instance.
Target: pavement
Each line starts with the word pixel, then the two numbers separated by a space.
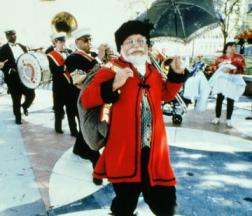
pixel 39 174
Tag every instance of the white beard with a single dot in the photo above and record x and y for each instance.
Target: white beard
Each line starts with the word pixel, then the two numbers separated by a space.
pixel 139 62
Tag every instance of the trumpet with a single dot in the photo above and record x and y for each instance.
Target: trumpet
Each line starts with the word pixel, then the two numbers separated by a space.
pixel 161 59
pixel 109 53
pixel 164 73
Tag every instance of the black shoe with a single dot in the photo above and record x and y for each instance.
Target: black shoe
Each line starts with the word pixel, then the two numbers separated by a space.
pixel 25 111
pixel 74 134
pixel 83 156
pixel 18 121
pixel 97 181
pixel 58 125
pixel 59 131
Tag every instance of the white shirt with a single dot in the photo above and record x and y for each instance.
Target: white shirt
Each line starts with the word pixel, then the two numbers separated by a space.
pixel 16 50
pixel 141 68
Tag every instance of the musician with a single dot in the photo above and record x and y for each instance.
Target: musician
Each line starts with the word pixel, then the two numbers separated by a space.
pixel 135 158
pixel 49 49
pixel 83 59
pixel 61 84
pixel 9 53
pixel 230 55
pixel 52 46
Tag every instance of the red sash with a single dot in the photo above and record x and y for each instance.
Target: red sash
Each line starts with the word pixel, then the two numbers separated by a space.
pixel 60 61
pixel 57 58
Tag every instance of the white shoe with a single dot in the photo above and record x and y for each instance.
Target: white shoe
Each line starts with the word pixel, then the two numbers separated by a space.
pixel 215 121
pixel 229 124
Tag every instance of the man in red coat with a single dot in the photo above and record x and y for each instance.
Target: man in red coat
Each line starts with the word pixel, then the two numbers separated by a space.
pixel 136 155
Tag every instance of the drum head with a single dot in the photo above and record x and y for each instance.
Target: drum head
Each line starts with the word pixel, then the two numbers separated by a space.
pixel 29 70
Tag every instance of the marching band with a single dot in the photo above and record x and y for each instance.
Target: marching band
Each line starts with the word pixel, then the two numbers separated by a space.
pixel 26 69
pixel 155 79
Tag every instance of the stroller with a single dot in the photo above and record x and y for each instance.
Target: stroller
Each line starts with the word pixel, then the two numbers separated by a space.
pixel 177 107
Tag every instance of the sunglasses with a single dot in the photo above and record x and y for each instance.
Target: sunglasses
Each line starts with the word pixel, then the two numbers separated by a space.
pixel 86 40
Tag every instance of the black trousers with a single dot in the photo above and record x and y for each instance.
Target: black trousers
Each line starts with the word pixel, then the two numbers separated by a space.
pixel 82 149
pixel 16 93
pixel 230 106
pixel 72 118
pixel 61 99
pixel 160 199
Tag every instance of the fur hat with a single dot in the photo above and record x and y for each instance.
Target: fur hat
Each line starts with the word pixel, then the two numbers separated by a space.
pixel 132 27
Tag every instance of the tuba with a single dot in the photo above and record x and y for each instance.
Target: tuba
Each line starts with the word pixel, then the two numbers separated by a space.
pixel 64 22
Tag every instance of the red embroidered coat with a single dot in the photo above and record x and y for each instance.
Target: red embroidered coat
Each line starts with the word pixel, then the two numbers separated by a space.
pixel 120 160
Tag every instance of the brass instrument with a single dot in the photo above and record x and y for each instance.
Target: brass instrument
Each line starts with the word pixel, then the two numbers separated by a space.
pixel 162 60
pixel 165 64
pixel 109 55
pixel 64 22
pixel 164 73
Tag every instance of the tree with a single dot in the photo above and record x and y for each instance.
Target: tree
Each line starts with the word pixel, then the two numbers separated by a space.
pixel 229 14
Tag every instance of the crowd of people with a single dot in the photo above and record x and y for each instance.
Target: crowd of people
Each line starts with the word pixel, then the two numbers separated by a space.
pixel 135 158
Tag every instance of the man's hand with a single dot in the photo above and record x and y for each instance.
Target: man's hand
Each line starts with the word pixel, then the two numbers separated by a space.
pixel 78 76
pixel 121 77
pixel 176 65
pixel 3 63
pixel 102 50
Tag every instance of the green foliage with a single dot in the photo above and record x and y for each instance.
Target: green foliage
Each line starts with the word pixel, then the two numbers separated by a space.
pixel 248 60
pixel 229 13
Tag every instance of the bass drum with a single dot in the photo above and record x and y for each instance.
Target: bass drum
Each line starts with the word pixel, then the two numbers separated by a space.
pixel 33 69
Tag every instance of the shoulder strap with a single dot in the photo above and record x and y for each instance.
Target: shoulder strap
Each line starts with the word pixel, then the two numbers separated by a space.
pixel 85 55
pixel 60 61
pixel 57 58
